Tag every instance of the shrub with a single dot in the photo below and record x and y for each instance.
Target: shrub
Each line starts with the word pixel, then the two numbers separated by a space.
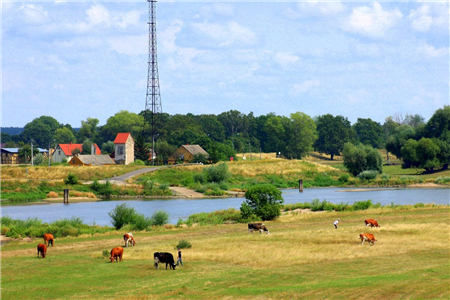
pixel 316 205
pixel 102 189
pixel 140 222
pixel 138 162
pixel 121 215
pixel 442 180
pixel 367 175
pixel 217 173
pixel 420 204
pixel 71 179
pixel 343 178
pixel 200 177
pixel 263 201
pixel 106 253
pixel 159 218
pixel 182 244
pixel 362 205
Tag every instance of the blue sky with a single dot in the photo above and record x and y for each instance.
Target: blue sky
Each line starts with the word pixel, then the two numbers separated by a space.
pixel 74 60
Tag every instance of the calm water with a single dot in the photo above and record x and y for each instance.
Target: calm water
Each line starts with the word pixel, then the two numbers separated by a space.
pixel 97 212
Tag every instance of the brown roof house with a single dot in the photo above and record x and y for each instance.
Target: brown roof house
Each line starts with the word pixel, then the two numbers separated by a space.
pixel 91 160
pixel 186 153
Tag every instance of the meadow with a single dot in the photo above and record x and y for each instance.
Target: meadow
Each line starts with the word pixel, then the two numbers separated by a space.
pixel 303 257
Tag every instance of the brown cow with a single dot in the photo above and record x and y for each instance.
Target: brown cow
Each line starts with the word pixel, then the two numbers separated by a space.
pixel 257 227
pixel 42 249
pixel 367 237
pixel 48 239
pixel 371 223
pixel 128 238
pixel 116 254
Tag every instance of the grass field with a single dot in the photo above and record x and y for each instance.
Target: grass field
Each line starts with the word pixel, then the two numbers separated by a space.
pixel 304 257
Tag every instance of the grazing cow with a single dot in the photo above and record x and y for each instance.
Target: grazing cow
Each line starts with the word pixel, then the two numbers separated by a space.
pixel 129 239
pixel 48 239
pixel 367 237
pixel 257 226
pixel 42 249
pixel 371 223
pixel 164 257
pixel 116 254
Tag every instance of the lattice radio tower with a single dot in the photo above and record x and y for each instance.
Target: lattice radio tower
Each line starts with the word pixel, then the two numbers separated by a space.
pixel 153 99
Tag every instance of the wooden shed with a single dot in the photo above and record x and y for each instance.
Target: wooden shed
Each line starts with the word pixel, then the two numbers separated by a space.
pixel 186 153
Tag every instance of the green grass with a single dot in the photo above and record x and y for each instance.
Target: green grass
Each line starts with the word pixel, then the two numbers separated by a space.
pixel 304 257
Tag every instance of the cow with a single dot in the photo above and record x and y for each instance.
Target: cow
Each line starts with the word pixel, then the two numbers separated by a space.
pixel 48 239
pixel 371 223
pixel 116 253
pixel 164 257
pixel 42 249
pixel 257 226
pixel 367 237
pixel 129 239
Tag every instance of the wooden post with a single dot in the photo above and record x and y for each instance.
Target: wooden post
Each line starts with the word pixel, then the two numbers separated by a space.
pixel 300 185
pixel 66 196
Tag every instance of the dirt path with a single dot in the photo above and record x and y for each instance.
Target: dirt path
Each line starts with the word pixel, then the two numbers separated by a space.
pixel 185 192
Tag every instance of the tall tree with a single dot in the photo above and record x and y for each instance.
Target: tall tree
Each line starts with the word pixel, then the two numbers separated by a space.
pixel 301 135
pixel 40 130
pixel 439 123
pixel 64 136
pixel 275 129
pixel 123 121
pixel 88 130
pixel 369 132
pixel 333 133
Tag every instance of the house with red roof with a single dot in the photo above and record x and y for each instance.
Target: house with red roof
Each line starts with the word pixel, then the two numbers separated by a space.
pixel 67 151
pixel 124 148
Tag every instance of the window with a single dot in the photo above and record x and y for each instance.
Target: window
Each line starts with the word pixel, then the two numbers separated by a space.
pixel 120 150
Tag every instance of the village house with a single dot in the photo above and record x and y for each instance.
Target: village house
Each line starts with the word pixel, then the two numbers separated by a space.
pixel 10 156
pixel 92 160
pixel 186 153
pixel 124 149
pixel 67 151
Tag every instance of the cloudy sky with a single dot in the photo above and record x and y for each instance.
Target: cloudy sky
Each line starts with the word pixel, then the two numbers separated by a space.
pixel 74 60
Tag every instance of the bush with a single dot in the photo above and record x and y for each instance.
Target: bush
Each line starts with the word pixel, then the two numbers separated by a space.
pixel 71 179
pixel 263 201
pixel 367 175
pixel 182 244
pixel 362 205
pixel 138 162
pixel 140 222
pixel 102 189
pixel 343 178
pixel 106 253
pixel 122 215
pixel 217 173
pixel 361 158
pixel 159 218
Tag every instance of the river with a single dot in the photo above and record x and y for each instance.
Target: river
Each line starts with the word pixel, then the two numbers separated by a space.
pixel 97 212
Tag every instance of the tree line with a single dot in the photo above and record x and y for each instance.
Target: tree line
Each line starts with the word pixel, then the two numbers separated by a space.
pixel 419 143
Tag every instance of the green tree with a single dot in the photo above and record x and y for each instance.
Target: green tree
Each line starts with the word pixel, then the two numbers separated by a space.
pixel 64 136
pixel 86 149
pixel 262 201
pixel 439 123
pixel 396 141
pixel 359 158
pixel 123 121
pixel 333 133
pixel 409 154
pixel 427 152
pixel 163 151
pixel 142 149
pixel 25 152
pixel 301 135
pixel 108 147
pixel 40 130
pixel 369 132
pixel 275 129
pixel 88 130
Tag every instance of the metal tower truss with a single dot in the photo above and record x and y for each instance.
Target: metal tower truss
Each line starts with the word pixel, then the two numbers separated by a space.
pixel 153 99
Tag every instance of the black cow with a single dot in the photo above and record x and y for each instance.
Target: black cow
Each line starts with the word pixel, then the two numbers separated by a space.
pixel 164 257
pixel 257 226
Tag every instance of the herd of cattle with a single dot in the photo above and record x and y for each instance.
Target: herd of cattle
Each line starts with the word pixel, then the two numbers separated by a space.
pixel 167 258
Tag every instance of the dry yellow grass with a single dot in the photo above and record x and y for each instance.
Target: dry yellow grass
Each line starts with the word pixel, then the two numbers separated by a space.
pixel 61 172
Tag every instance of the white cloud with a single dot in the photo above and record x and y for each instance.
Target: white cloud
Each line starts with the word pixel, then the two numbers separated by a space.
pixel 227 35
pixel 168 37
pixel 285 58
pixel 304 86
pixel 223 9
pixel 426 16
pixel 372 21
pixel 33 14
pixel 431 51
pixel 98 14
pixel 129 45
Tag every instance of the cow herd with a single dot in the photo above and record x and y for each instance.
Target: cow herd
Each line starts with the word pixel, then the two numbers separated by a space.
pixel 167 258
